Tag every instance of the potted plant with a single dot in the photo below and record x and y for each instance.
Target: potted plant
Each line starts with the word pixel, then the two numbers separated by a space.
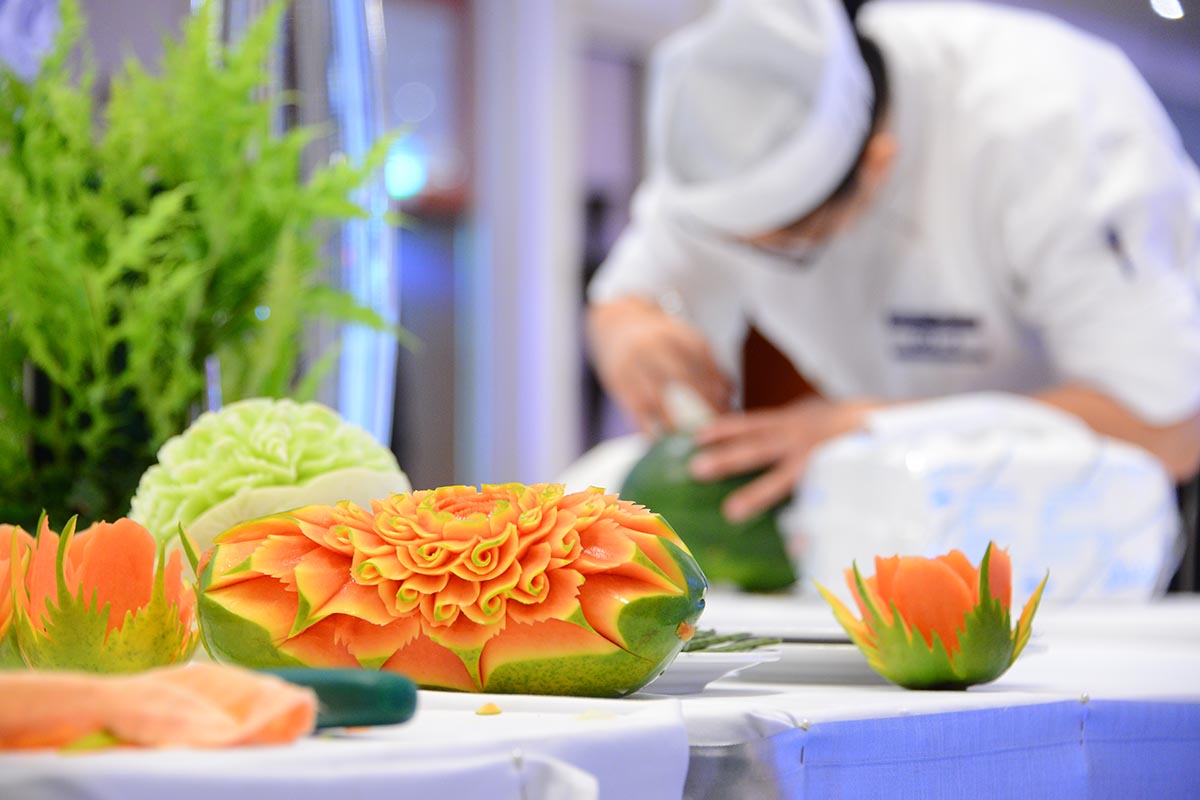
pixel 138 241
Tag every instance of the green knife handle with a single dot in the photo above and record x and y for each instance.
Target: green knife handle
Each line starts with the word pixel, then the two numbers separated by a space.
pixel 355 697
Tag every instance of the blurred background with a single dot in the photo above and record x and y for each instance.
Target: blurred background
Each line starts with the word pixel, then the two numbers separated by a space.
pixel 522 149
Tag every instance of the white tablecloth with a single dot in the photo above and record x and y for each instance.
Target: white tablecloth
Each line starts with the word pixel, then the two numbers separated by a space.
pixel 537 747
pixel 1105 704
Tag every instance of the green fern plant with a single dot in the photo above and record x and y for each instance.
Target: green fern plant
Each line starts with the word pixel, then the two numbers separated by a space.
pixel 137 242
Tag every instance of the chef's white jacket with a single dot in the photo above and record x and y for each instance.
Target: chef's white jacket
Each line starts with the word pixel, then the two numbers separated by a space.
pixel 1041 224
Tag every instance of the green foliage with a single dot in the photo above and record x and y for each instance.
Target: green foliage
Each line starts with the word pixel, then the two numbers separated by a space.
pixel 135 243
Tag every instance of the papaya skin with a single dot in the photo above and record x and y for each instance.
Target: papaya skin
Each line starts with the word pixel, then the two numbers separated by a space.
pixel 749 555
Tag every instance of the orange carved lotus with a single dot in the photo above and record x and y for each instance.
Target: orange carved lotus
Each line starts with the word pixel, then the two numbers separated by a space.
pixel 937 622
pixel 95 601
pixel 454 586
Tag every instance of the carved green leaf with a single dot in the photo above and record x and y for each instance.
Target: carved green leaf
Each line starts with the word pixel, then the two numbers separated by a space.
pixel 73 637
pixel 154 636
pixel 1025 623
pixel 986 640
pixel 10 655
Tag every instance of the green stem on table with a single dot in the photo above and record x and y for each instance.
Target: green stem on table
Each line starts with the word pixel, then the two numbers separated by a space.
pixel 709 640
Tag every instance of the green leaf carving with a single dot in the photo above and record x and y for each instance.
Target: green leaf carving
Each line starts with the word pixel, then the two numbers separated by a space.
pixel 154 636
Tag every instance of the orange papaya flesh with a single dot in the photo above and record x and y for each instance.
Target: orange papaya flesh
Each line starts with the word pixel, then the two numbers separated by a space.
pixel 319 644
pixel 1000 576
pixel 116 562
pixel 941 630
pixel 178 595
pixel 324 587
pixel 660 548
pixel 432 666
pixel 231 563
pixel 562 598
pixel 370 644
pixel 957 560
pixel 932 598
pixel 650 626
pixel 604 545
pixel 41 576
pixel 607 598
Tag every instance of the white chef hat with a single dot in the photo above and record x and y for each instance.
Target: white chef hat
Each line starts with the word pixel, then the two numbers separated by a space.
pixel 757 112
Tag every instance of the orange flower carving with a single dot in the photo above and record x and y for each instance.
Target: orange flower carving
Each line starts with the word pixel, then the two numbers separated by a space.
pixel 451 585
pixel 104 600
pixel 937 622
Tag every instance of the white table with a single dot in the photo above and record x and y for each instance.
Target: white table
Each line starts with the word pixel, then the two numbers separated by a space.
pixel 1106 705
pixel 537 747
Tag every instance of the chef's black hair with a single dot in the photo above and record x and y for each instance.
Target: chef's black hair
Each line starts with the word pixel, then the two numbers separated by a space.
pixel 852 7
pixel 873 58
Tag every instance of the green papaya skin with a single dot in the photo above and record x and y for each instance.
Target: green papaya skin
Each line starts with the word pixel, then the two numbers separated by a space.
pixel 750 554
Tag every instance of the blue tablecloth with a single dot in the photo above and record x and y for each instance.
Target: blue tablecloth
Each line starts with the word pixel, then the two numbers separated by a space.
pixel 1099 749
pixel 1106 706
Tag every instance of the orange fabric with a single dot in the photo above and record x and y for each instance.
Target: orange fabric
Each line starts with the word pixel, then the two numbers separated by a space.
pixel 198 705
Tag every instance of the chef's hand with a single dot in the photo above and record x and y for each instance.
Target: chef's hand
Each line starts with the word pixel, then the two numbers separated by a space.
pixel 778 440
pixel 638 350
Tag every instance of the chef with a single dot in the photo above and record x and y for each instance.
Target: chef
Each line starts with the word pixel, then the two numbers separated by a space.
pixel 940 198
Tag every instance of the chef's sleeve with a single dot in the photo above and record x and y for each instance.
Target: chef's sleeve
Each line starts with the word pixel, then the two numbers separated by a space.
pixel 1099 230
pixel 657 258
